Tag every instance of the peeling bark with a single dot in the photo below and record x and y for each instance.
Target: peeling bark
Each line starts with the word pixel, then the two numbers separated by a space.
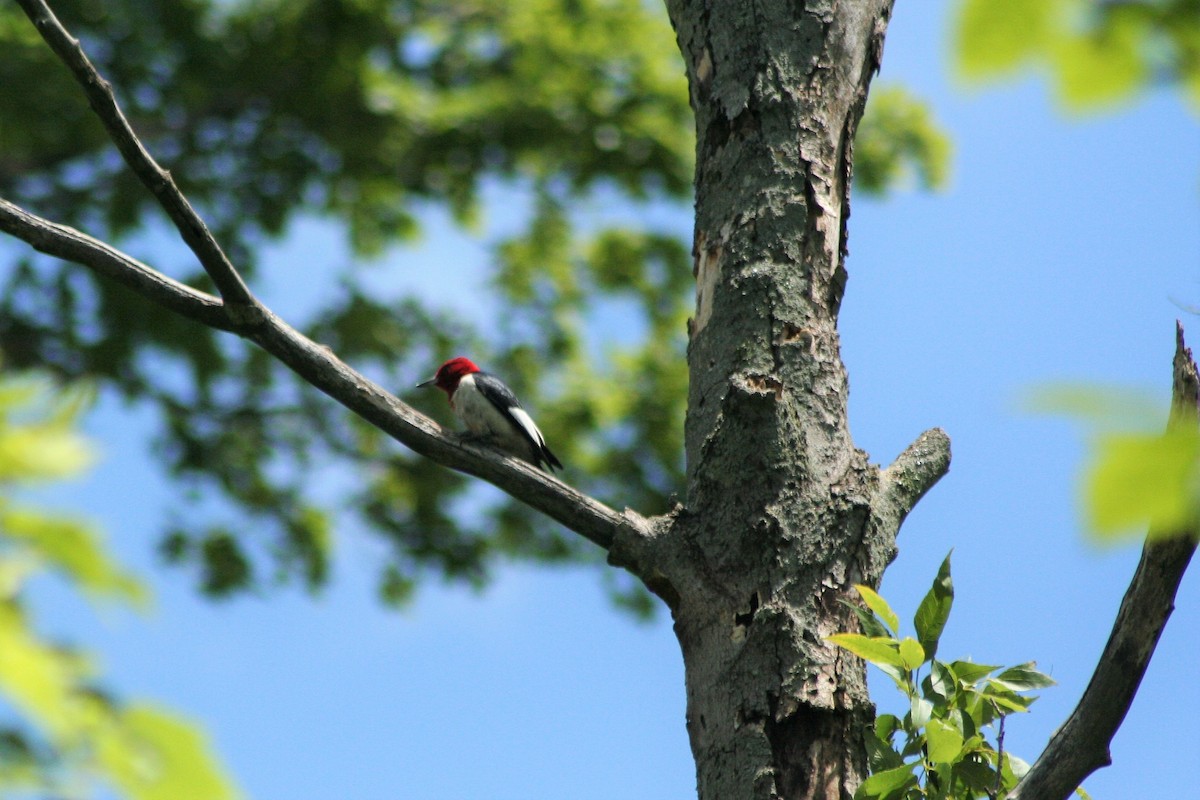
pixel 783 514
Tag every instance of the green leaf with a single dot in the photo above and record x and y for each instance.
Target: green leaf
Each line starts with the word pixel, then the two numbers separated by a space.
pixel 889 782
pixel 76 549
pixel 870 624
pixel 995 38
pixel 968 672
pixel 152 754
pixel 911 653
pixel 1105 407
pixel 941 682
pixel 1100 66
pixel 1013 769
pixel 1024 677
pixel 885 726
pixel 880 754
pixel 934 610
pixel 877 650
pixel 976 774
pixel 1004 697
pixel 37 678
pixel 1136 480
pixel 899 141
pixel 42 452
pixel 943 740
pixel 920 711
pixel 880 606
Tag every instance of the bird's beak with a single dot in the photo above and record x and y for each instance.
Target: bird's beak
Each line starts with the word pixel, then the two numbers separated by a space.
pixel 429 382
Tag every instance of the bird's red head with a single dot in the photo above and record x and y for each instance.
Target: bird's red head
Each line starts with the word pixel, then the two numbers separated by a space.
pixel 450 373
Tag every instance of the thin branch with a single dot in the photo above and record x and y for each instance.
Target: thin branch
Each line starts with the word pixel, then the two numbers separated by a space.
pixel 1081 745
pixel 318 365
pixel 158 180
pixel 69 244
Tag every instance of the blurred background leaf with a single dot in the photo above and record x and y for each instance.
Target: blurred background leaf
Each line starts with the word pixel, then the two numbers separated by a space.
pixel 61 735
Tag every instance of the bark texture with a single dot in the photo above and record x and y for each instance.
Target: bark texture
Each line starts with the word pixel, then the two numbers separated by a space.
pixel 783 514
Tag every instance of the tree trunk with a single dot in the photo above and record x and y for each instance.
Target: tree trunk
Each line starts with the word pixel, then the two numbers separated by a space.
pixel 783 514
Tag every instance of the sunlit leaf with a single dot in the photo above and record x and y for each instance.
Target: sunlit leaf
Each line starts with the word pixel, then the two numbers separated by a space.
pixel 1024 677
pixel 1105 407
pixel 41 452
pixel 870 624
pixel 942 681
pixel 920 711
pixel 152 754
pixel 898 141
pixel 1100 66
pixel 1139 480
pixel 911 653
pixel 39 679
pixel 968 671
pixel 73 547
pixel 880 606
pixel 890 781
pixel 877 650
pixel 1013 769
pixel 934 610
pixel 994 38
pixel 944 741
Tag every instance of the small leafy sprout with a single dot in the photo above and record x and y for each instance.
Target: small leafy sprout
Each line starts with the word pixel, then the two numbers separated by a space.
pixel 940 748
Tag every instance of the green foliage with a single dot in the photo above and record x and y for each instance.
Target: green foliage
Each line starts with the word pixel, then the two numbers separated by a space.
pixel 370 113
pixel 897 141
pixel 1137 483
pixel 940 747
pixel 60 734
pixel 1098 53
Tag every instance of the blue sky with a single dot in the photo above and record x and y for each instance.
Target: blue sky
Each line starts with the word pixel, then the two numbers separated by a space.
pixel 1055 254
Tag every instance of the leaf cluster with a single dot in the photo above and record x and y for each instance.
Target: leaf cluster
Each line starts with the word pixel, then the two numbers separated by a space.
pixel 1097 53
pixel 61 734
pixel 940 748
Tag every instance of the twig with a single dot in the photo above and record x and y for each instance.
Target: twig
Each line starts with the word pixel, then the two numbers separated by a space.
pixel 999 761
pixel 158 180
pixel 1081 745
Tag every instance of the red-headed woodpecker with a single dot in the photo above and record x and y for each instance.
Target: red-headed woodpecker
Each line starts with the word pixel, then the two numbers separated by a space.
pixel 491 411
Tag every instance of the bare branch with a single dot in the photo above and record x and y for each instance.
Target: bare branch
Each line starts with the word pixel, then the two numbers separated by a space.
pixel 1081 745
pixel 72 245
pixel 317 365
pixel 913 473
pixel 155 178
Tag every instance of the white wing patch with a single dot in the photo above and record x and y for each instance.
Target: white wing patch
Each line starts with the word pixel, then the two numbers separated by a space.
pixel 525 421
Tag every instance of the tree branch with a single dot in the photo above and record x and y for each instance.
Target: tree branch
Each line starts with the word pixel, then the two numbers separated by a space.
pixel 159 181
pixel 913 473
pixel 320 367
pixel 241 313
pixel 69 244
pixel 317 365
pixel 1081 745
